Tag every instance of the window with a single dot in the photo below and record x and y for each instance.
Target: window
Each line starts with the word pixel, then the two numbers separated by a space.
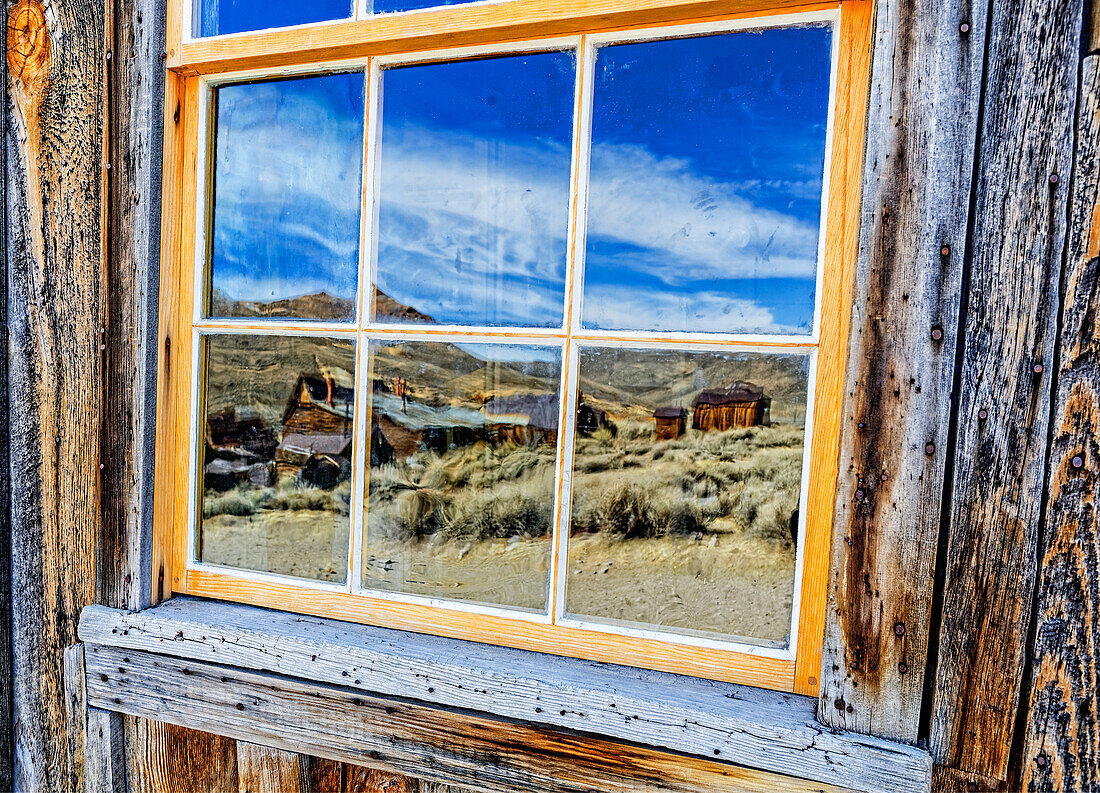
pixel 532 341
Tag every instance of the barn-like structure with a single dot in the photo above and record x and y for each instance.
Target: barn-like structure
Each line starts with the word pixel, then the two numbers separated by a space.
pixel 740 404
pixel 960 640
pixel 671 423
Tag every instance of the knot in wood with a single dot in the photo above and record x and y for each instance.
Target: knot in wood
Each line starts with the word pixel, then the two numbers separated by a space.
pixel 28 41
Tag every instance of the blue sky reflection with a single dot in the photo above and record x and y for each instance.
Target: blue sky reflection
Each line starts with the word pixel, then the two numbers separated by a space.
pixel 218 17
pixel 287 200
pixel 474 171
pixel 705 182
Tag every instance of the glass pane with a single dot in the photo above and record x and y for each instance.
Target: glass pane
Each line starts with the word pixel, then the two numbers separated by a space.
pixel 386 6
pixel 475 170
pixel 287 176
pixel 278 454
pixel 216 17
pixel 704 201
pixel 687 476
pixel 462 463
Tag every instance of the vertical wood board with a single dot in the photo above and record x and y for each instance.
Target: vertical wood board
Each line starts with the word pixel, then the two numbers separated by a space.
pixel 54 202
pixel 1017 243
pixel 1062 746
pixel 921 127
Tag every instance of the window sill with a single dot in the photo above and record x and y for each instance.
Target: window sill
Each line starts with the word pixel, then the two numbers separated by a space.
pixel 754 728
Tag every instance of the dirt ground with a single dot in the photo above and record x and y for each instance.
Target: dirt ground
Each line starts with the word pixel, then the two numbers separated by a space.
pixel 717 585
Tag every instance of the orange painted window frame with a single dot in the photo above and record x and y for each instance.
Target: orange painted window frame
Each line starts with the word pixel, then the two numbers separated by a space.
pixel 513 21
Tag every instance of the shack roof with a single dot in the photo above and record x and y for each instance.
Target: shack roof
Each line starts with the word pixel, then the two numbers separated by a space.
pixel 669 413
pixel 323 393
pixel 330 444
pixel 418 416
pixel 532 410
pixel 741 391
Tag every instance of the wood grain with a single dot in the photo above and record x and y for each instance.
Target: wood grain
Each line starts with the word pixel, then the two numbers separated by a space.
pixel 1019 233
pixel 264 770
pixel 166 758
pixel 434 744
pixel 134 96
pixel 1062 746
pixel 54 213
pixel 921 128
pixel 765 729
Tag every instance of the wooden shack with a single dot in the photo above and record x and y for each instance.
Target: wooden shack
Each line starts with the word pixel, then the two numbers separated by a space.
pixel 526 419
pixel 671 423
pixel 591 419
pixel 317 405
pixel 741 404
pixel 957 638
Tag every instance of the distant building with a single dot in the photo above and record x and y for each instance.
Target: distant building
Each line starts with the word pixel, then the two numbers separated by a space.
pixel 671 423
pixel 239 449
pixel 401 427
pixel 529 419
pixel 742 404
pixel 317 432
pixel 591 419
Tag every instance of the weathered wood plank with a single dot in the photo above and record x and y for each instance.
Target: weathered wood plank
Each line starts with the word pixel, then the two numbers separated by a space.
pixel 398 736
pixel 1062 746
pixel 922 124
pixel 134 107
pixel 1019 227
pixel 105 752
pixel 166 758
pixel 261 769
pixel 324 776
pixel 76 713
pixel 764 729
pixel 54 203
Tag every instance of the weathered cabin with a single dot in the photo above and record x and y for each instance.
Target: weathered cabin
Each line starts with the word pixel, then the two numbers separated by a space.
pixel 526 419
pixel 739 405
pixel 945 631
pixel 591 419
pixel 405 426
pixel 322 460
pixel 671 423
pixel 318 405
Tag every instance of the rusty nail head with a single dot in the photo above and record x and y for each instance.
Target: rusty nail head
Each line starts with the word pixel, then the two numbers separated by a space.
pixel 983 413
pixel 1054 178
pixel 964 27
pixel 937 332
pixel 930 448
pixel 945 250
pixel 899 628
pixel 859 494
pixel 108 55
pixel 839 704
pixel 1078 461
pixel 883 476
pixel 1037 368
pixel 849 709
pixel 903 668
pixel 374 755
pixel 1041 760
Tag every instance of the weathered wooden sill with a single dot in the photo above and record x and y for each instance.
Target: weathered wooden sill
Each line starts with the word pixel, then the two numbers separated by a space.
pixel 351 691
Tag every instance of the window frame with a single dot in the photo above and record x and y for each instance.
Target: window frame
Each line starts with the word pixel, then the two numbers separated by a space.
pixel 196 66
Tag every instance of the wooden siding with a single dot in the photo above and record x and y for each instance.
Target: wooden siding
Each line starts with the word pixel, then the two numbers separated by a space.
pixel 921 129
pixel 54 184
pixel 1062 746
pixel 1007 360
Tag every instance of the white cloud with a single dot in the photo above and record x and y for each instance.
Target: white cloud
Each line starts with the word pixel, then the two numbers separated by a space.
pixel 623 306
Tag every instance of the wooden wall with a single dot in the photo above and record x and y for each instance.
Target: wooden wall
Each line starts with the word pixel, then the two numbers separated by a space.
pixel 965 595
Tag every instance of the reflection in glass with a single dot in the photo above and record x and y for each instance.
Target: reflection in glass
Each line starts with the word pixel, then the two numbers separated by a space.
pixel 705 187
pixel 687 475
pixel 218 17
pixel 286 203
pixel 462 463
pixel 475 167
pixel 387 6
pixel 276 468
